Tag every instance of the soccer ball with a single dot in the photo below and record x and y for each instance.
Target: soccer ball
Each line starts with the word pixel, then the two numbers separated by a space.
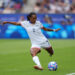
pixel 52 66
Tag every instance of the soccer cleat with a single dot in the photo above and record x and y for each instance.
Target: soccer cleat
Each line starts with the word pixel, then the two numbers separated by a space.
pixel 38 68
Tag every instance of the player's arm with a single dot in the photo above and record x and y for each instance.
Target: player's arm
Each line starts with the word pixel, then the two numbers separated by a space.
pixel 14 23
pixel 46 29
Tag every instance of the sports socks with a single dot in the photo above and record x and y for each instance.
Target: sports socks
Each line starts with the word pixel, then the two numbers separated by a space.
pixel 36 61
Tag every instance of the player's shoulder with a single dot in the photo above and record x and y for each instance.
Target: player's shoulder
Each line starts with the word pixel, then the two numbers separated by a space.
pixel 25 21
pixel 38 22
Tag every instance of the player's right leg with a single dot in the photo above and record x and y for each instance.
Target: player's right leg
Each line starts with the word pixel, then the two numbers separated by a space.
pixel 34 51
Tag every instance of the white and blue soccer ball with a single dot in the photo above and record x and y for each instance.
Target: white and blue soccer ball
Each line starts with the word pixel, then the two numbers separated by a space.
pixel 52 66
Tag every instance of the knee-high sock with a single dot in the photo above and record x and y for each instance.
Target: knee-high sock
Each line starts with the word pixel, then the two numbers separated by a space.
pixel 36 60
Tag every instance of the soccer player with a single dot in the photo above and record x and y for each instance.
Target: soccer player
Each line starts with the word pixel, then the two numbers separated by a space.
pixel 38 40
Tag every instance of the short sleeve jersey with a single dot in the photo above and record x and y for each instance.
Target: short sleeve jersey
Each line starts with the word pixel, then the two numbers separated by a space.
pixel 34 31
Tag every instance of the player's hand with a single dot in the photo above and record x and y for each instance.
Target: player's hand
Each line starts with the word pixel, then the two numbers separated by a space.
pixel 4 22
pixel 57 29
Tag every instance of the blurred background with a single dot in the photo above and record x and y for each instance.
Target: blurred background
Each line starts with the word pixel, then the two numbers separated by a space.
pixel 52 13
pixel 38 6
pixel 15 58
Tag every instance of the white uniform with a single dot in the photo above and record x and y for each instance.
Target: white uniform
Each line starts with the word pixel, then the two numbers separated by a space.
pixel 38 40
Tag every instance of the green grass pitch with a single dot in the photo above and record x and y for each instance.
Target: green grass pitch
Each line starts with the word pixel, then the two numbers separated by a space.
pixel 15 58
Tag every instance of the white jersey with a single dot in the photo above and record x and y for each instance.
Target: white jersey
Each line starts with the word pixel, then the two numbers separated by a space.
pixel 34 32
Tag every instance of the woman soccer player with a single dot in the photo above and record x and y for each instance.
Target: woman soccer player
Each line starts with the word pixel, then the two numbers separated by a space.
pixel 38 40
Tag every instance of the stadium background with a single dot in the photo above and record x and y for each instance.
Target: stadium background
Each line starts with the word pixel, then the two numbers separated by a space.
pixel 63 21
pixel 15 58
pixel 52 13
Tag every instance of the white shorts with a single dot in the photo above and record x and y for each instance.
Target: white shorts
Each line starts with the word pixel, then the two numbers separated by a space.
pixel 45 44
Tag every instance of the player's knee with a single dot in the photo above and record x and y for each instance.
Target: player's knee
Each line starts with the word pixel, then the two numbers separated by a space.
pixel 50 50
pixel 33 53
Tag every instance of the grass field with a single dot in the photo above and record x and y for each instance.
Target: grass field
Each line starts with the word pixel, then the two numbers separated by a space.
pixel 15 58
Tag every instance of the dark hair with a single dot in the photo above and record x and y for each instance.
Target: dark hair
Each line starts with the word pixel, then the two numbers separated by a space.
pixel 29 15
pixel 38 4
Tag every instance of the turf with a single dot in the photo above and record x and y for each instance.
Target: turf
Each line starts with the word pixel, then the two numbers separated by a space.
pixel 15 58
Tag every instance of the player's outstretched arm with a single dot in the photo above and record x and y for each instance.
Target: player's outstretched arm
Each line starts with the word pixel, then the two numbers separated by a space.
pixel 46 29
pixel 14 23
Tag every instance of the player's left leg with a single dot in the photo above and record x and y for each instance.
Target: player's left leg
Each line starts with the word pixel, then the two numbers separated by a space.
pixel 49 50
pixel 47 46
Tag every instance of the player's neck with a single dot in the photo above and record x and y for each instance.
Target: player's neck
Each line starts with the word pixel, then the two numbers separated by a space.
pixel 32 22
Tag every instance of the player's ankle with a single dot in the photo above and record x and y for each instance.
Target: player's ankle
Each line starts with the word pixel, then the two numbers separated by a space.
pixel 40 66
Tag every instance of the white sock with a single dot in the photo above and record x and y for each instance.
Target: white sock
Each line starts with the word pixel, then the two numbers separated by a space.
pixel 36 60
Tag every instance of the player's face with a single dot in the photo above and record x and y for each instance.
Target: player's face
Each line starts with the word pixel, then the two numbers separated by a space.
pixel 33 19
